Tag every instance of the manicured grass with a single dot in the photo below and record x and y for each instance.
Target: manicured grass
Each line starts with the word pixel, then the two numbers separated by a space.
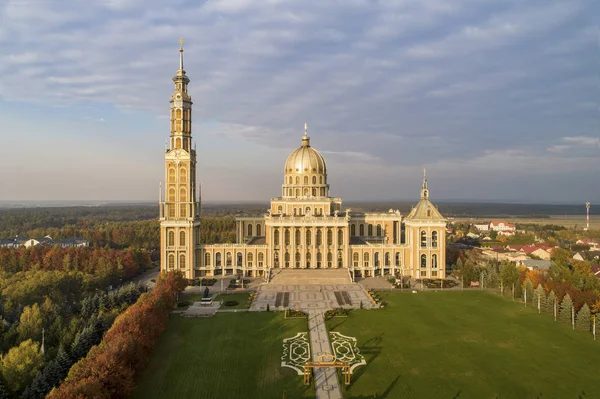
pixel 469 345
pixel 230 355
pixel 241 298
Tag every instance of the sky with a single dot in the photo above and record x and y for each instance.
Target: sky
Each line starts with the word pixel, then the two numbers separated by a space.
pixel 499 100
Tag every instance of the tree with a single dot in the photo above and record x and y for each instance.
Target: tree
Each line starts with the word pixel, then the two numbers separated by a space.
pixel 528 290
pixel 550 302
pixel 30 323
pixel 508 274
pixel 540 295
pixel 583 321
pixel 21 364
pixel 566 307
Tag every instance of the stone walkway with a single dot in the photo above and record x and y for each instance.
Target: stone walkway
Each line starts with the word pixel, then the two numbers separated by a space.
pixel 327 385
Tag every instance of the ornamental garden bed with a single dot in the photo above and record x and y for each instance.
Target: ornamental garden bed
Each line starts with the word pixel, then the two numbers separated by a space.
pixel 337 312
pixel 437 283
pixel 295 313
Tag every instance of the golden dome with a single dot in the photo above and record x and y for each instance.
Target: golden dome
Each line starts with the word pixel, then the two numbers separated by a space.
pixel 305 160
pixel 305 173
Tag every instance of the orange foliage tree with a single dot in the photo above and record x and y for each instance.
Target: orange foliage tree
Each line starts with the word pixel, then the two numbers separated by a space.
pixel 110 368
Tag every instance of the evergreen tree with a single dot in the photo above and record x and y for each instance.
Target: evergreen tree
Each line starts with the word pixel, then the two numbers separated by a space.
pixel 4 392
pixel 550 302
pixel 64 361
pixel 584 319
pixel 566 307
pixel 528 288
pixel 541 294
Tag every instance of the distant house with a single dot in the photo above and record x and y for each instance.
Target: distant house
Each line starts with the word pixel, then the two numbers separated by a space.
pixel 593 244
pixel 578 256
pixel 503 254
pixel 596 271
pixel 473 236
pixel 482 227
pixel 47 241
pixel 535 264
pixel 503 227
pixel 542 251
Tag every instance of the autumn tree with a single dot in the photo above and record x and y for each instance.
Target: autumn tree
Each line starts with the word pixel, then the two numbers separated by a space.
pixel 550 301
pixel 528 290
pixel 30 323
pixel 540 295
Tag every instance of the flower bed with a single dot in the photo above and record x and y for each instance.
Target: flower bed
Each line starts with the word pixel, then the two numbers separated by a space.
pixel 336 312
pixel 437 283
pixel 230 303
pixel 295 313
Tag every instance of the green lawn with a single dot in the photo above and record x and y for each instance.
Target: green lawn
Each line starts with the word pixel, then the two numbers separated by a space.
pixel 241 298
pixel 468 345
pixel 230 355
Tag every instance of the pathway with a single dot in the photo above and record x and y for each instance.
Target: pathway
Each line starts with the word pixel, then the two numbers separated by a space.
pixel 327 385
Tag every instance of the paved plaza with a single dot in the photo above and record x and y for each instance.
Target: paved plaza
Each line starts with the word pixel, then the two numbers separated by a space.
pixel 311 290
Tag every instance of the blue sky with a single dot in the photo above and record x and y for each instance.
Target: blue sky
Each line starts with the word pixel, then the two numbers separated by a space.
pixel 499 100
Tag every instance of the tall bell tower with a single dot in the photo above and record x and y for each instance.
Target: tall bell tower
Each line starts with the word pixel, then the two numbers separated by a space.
pixel 180 204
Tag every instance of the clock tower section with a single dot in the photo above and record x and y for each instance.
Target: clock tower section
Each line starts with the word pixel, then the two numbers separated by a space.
pixel 179 204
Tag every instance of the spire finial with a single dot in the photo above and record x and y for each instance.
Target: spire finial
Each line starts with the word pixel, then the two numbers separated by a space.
pixel 305 138
pixel 424 174
pixel 424 191
pixel 181 53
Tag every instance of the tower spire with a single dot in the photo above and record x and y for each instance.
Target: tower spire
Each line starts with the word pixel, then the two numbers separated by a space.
pixel 181 54
pixel 424 190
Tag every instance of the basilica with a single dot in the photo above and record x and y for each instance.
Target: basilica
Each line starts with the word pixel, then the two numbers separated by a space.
pixel 304 227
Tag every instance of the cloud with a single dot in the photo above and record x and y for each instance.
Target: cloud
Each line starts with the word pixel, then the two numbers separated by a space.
pixel 391 85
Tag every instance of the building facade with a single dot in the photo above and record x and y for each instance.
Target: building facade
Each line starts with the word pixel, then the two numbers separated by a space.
pixel 303 228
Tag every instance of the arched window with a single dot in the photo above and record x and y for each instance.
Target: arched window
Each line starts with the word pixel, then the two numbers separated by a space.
pixel 290 180
pixel 423 261
pixel 370 230
pixel 308 237
pixel 376 260
pixel 171 261
pixel 249 230
pixel 329 259
pixel 207 259
pixel 228 260
pixel 171 175
pixel 218 259
pixel 307 210
pixel 361 230
pixel 320 179
pixel 319 260
pixel 181 261
pixel 297 237
pixel 178 140
pixel 171 195
pixel 297 259
pixel 314 192
pixel 279 209
pixel 182 196
pixel 366 259
pixel 182 175
pixel 297 179
pixel 276 236
pixel 428 212
pixel 434 264
pixel 355 258
pixel 305 179
pixel 340 261
pixel 314 180
pixel 329 237
pixel 287 259
pixel 423 239
pixel 434 239
pixel 353 230
pixel 276 258
pixel 319 237
pixel 378 230
pixel 261 259
pixel 258 230
pixel 340 237
pixel 182 210
pixel 397 258
pixel 182 238
pixel 287 237
pixel 322 191
pixel 308 259
pixel 171 238
pixel 239 259
pixel 297 192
